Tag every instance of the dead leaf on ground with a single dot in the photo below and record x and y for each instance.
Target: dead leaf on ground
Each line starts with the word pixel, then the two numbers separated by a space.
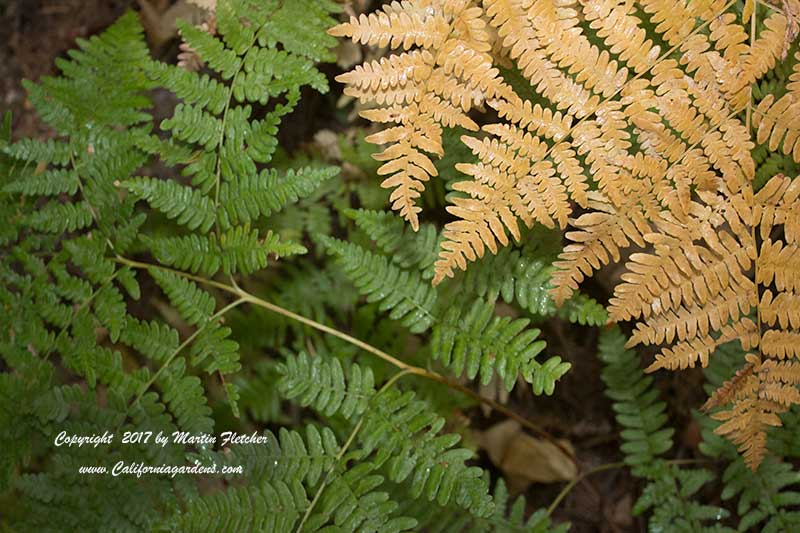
pixel 526 459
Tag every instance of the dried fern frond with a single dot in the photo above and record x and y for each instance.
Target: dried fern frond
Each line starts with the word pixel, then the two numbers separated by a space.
pixel 722 274
pixel 778 121
pixel 423 90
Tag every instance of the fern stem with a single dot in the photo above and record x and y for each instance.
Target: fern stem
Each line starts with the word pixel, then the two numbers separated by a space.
pixel 218 176
pixel 418 371
pixel 183 345
pixel 569 486
pixel 602 468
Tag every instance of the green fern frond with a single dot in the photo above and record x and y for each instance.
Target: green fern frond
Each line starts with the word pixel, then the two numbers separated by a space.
pixel 584 310
pixel 523 276
pixel 211 49
pixel 268 72
pixel 201 90
pixel 127 279
pixel 301 28
pixel 636 403
pixel 288 455
pixel 101 83
pixel 56 217
pixel 403 433
pixel 274 507
pixel 268 192
pixel 321 382
pixel 240 250
pixel 51 151
pixel 187 205
pixel 642 416
pixel 89 255
pixel 48 183
pixel 152 339
pixel 213 351
pixel 68 286
pixel 185 397
pixel 193 125
pixel 391 234
pixel 405 293
pixel 194 304
pixel 351 503
pixel 507 518
pixel 110 310
pixel 476 340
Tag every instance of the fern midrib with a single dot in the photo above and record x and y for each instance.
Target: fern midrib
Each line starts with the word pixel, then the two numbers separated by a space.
pixel 221 139
pixel 761 382
pixel 82 306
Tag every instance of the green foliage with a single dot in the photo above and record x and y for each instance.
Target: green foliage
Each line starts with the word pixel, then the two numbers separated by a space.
pixel 188 206
pixel 410 298
pixel 239 250
pixel 194 304
pixel 522 276
pixel 266 193
pixel 321 383
pixel 138 303
pixel 478 341
pixel 402 431
pixel 468 338
pixel 406 248
pixel 267 507
pixel 669 489
pixel 507 517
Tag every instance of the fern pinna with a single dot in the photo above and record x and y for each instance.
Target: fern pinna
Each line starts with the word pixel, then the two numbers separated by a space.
pixel 639 114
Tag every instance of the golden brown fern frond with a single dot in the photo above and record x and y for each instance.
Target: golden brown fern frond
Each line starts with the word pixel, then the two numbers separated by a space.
pixel 422 90
pixel 695 291
pixel 778 121
pixel 670 117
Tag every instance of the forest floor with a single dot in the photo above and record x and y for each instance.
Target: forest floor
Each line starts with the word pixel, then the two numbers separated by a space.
pixel 36 32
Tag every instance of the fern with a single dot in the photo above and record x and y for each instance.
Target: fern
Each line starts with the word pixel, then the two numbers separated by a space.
pixel 669 489
pixel 410 299
pixel 267 193
pixel 322 384
pixel 269 507
pixel 187 205
pixel 238 250
pixel 468 342
pixel 194 304
pixel 593 111
pixel 478 341
pixel 190 277
pixel 406 248
pixel 402 432
pixel 766 498
pixel 507 516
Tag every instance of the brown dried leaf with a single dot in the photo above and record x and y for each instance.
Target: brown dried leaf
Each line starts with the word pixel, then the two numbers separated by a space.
pixel 527 458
